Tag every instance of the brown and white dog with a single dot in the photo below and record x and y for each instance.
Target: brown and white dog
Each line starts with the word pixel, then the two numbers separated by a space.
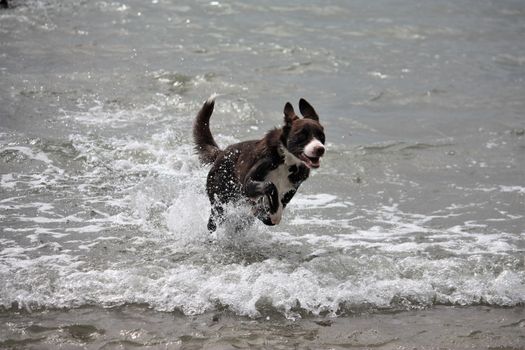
pixel 265 173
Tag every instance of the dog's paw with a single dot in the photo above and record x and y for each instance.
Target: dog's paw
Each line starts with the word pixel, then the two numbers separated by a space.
pixel 272 194
pixel 255 189
pixel 269 188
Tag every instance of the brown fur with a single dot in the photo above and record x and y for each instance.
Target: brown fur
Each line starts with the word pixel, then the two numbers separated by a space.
pixel 241 171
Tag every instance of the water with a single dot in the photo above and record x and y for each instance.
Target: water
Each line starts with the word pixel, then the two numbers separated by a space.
pixel 419 201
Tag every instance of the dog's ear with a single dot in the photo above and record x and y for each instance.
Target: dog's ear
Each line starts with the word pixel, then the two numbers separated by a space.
pixel 289 114
pixel 307 110
pixel 289 117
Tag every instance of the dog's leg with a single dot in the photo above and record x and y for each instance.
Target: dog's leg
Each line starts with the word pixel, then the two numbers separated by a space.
pixel 298 174
pixel 273 198
pixel 287 197
pixel 216 216
pixel 254 184
pixel 212 226
pixel 255 189
pixel 264 188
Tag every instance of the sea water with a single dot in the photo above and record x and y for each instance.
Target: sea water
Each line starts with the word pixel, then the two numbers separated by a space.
pixel 419 201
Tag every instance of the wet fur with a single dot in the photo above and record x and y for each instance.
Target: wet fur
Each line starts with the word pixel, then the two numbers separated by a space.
pixel 265 173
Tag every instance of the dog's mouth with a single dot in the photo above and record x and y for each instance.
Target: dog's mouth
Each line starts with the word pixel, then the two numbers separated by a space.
pixel 310 162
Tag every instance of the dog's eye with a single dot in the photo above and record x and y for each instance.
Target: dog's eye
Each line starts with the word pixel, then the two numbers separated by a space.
pixel 302 135
pixel 320 137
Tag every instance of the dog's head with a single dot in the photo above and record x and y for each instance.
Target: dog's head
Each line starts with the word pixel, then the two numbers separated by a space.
pixel 304 137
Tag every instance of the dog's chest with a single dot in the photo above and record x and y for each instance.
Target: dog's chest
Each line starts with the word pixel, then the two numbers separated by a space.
pixel 280 177
pixel 288 175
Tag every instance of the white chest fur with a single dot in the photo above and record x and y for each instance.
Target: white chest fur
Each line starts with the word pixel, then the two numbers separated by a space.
pixel 280 178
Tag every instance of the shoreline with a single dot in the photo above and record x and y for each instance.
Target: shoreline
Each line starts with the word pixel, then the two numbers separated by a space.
pixel 448 327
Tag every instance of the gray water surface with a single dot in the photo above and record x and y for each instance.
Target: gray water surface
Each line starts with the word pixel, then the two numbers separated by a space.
pixel 419 201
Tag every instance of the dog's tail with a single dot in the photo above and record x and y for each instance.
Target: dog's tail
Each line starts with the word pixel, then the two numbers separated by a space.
pixel 205 145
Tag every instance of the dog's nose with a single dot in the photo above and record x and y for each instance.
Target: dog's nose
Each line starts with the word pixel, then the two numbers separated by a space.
pixel 319 151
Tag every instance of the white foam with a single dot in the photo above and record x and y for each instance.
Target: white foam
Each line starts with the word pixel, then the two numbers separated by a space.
pixel 517 189
pixel 38 156
pixel 7 181
pixel 196 289
pixel 139 235
pixel 86 229
pixel 317 201
pixel 187 217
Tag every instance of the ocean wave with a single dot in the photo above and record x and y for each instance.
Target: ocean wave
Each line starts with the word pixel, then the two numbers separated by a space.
pixel 111 218
pixel 314 287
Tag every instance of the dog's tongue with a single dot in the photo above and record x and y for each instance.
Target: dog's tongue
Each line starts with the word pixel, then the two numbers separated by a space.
pixel 316 163
pixel 311 163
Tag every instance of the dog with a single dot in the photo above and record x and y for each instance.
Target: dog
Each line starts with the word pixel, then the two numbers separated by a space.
pixel 264 173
